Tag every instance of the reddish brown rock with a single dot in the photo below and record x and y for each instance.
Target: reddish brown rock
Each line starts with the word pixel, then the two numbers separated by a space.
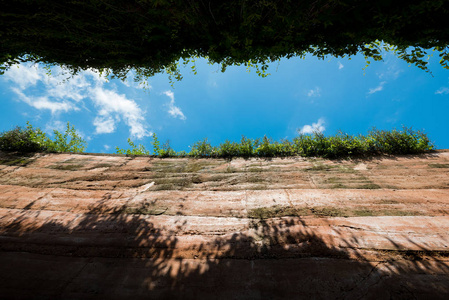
pixel 110 226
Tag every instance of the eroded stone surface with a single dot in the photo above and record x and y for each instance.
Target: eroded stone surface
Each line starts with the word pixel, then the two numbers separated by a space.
pixel 96 226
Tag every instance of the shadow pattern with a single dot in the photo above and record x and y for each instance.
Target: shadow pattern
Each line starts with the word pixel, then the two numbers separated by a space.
pixel 110 254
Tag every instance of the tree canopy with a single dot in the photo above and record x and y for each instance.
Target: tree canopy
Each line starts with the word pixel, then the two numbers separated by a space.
pixel 151 36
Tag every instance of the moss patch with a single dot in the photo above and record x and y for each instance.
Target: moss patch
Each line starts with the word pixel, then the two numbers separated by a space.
pixel 145 209
pixel 16 161
pixel 329 212
pixel 369 186
pixel 180 166
pixel 101 166
pixel 385 212
pixel 386 201
pixel 320 167
pixel 273 212
pixel 324 211
pixel 256 170
pixel 439 166
pixel 65 167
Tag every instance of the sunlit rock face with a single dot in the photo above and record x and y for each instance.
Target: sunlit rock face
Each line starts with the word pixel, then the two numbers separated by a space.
pixel 111 226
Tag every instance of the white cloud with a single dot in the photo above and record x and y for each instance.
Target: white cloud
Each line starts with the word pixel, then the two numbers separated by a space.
pixel 112 104
pixel 170 95
pixel 44 103
pixel 60 92
pixel 316 92
pixel 24 75
pixel 74 88
pixel 104 124
pixel 378 88
pixel 174 110
pixel 315 127
pixel 63 92
pixel 340 66
pixel 442 91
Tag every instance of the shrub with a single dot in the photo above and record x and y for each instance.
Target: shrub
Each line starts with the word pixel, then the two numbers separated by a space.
pixel 228 149
pixel 405 141
pixel 19 140
pixel 202 149
pixel 264 148
pixel 32 139
pixel 246 147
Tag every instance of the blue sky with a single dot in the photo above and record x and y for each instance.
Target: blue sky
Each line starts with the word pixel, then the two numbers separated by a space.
pixel 300 94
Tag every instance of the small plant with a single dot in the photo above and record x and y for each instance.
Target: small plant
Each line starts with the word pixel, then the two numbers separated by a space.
pixel 166 150
pixel 135 149
pixel 156 145
pixel 69 141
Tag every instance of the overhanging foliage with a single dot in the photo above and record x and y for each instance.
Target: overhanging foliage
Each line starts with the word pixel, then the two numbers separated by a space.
pixel 151 36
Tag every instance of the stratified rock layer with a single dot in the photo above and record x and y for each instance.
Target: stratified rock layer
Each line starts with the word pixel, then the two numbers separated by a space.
pixel 109 226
